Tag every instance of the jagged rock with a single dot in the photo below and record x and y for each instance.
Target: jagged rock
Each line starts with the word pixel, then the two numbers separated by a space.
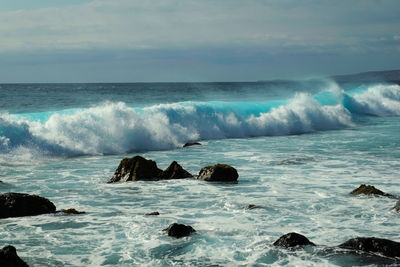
pixel 135 169
pixel 174 171
pixel 179 230
pixel 218 173
pixel 154 213
pixel 18 204
pixel 293 240
pixel 9 257
pixel 385 247
pixel 139 168
pixel 191 144
pixel 72 211
pixel 369 190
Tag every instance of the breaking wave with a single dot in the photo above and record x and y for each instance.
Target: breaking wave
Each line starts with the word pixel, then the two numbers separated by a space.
pixel 112 128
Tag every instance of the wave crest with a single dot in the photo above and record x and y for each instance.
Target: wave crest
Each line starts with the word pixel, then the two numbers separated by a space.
pixel 112 128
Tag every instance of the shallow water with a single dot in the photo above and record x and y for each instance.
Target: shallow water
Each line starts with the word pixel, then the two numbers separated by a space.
pixel 298 166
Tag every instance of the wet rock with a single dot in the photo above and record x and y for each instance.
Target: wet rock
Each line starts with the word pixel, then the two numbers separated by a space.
pixel 369 190
pixel 179 230
pixel 252 207
pixel 139 168
pixel 174 171
pixel 135 169
pixel 18 204
pixel 397 206
pixel 218 173
pixel 191 144
pixel 154 213
pixel 9 257
pixel 293 240
pixel 385 247
pixel 71 211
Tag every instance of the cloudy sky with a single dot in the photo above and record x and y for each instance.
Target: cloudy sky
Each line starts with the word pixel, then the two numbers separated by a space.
pixel 193 40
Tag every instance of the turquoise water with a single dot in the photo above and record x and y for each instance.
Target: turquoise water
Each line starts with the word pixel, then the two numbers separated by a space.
pixel 299 148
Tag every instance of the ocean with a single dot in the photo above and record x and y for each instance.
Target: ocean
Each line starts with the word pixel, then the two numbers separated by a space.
pixel 300 148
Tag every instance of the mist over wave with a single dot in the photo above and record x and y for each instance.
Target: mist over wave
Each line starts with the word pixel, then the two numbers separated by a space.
pixel 116 127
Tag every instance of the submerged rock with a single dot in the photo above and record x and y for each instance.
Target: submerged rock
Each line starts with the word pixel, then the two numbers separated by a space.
pixel 174 171
pixel 71 211
pixel 397 206
pixel 191 144
pixel 9 257
pixel 385 247
pixel 179 230
pixel 293 240
pixel 218 173
pixel 139 168
pixel 252 207
pixel 135 169
pixel 369 190
pixel 154 213
pixel 18 204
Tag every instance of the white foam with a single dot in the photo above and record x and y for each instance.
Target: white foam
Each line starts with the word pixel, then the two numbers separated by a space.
pixel 378 100
pixel 118 128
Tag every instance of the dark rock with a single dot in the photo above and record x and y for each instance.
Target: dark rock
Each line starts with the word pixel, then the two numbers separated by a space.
pixel 139 168
pixel 72 211
pixel 18 204
pixel 293 240
pixel 174 171
pixel 135 169
pixel 385 247
pixel 154 213
pixel 191 144
pixel 218 173
pixel 397 206
pixel 252 207
pixel 9 257
pixel 369 190
pixel 179 230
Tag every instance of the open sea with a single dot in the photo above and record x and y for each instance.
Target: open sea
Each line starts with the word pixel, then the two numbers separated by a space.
pixel 299 147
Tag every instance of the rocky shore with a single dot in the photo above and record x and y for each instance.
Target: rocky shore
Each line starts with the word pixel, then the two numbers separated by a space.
pixel 140 169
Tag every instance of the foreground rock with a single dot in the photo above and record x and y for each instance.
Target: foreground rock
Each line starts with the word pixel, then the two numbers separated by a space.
pixel 179 230
pixel 218 173
pixel 191 144
pixel 385 247
pixel 174 171
pixel 369 190
pixel 139 168
pixel 9 257
pixel 18 204
pixel 293 240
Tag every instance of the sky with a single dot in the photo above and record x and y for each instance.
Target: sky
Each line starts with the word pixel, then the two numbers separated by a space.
pixel 192 40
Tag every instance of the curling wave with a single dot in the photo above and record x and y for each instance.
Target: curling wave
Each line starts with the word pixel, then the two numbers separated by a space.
pixel 113 128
